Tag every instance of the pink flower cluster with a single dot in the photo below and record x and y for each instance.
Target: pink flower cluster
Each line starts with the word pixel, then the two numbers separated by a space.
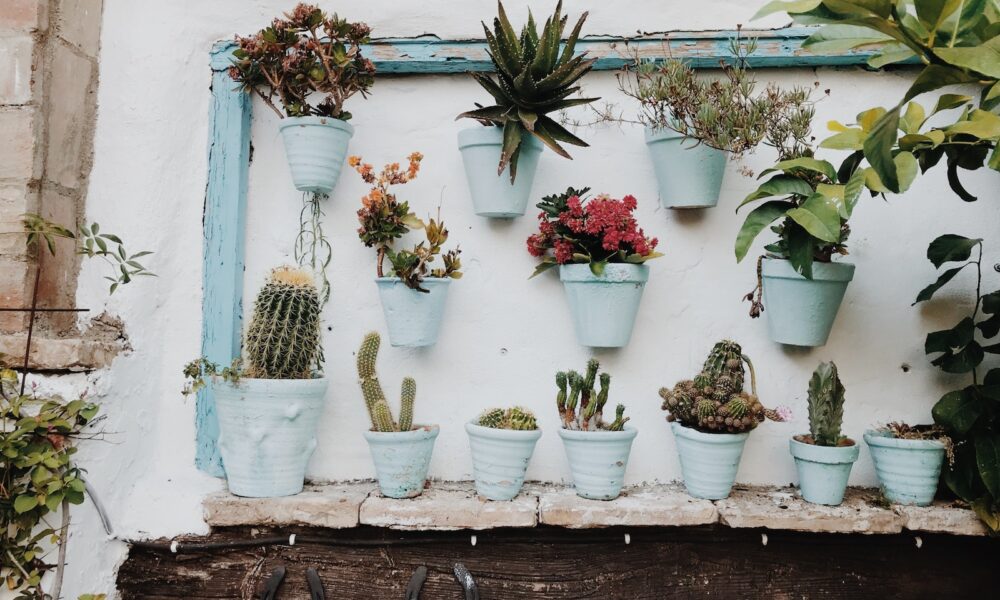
pixel 602 222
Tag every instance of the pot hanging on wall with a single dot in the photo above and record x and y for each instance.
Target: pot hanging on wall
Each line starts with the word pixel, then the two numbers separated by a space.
pixel 908 470
pixel 316 148
pixel 604 307
pixel 267 432
pixel 800 311
pixel 402 459
pixel 709 461
pixel 823 470
pixel 597 460
pixel 494 195
pixel 689 175
pixel 500 459
pixel 413 318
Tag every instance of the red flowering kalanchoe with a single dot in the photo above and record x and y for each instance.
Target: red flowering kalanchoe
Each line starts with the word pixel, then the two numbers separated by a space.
pixel 597 231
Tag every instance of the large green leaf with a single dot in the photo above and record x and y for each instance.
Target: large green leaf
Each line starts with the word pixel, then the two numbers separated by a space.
pixel 878 149
pixel 851 139
pixel 779 185
pixel 791 7
pixel 756 221
pixel 950 248
pixel 934 12
pixel 928 292
pixel 805 163
pixel 988 461
pixel 949 101
pixel 819 216
pixel 958 410
pixel 960 353
pixel 24 503
pixel 981 124
pixel 837 38
pixel 891 54
pixel 984 59
pixel 800 248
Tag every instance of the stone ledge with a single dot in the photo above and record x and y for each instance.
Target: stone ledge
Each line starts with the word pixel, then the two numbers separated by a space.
pixel 455 506
pixel 58 353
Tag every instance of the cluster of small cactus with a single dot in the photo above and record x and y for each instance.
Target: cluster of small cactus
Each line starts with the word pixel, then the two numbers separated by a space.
pixel 283 338
pixel 378 407
pixel 714 401
pixel 581 406
pixel 515 418
pixel 826 405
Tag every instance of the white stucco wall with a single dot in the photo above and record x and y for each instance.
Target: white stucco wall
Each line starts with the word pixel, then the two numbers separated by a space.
pixel 504 336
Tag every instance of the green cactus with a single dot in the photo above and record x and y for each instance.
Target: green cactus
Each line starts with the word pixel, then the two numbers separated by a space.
pixel 620 419
pixel 583 406
pixel 561 395
pixel 492 417
pixel 706 409
pixel 737 407
pixel 826 405
pixel 283 337
pixel 521 419
pixel 378 407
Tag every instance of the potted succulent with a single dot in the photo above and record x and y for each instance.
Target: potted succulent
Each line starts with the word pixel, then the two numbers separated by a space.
pixel 535 75
pixel 908 460
pixel 824 457
pixel 693 124
pixel 312 63
pixel 712 416
pixel 413 297
pixel 601 253
pixel 400 450
pixel 270 402
pixel 597 451
pixel 502 442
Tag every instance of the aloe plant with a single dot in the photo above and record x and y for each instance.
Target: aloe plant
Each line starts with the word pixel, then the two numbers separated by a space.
pixel 534 77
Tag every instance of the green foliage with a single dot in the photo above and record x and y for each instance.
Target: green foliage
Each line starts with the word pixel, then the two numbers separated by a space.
pixel 826 405
pixel 283 337
pixel 378 407
pixel 514 418
pixel 580 405
pixel 197 370
pixel 307 52
pixel 534 77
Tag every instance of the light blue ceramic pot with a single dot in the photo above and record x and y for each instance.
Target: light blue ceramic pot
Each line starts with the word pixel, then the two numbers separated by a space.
pixel 413 318
pixel 500 458
pixel 493 195
pixel 908 470
pixel 267 432
pixel 689 174
pixel 597 460
pixel 800 312
pixel 823 470
pixel 316 148
pixel 401 459
pixel 709 461
pixel 604 307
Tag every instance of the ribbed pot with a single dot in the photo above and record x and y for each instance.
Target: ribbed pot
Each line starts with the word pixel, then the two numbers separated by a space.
pixel 494 195
pixel 823 470
pixel 800 311
pixel 604 307
pixel 597 460
pixel 316 148
pixel 267 432
pixel 413 318
pixel 689 175
pixel 401 459
pixel 908 470
pixel 709 461
pixel 500 458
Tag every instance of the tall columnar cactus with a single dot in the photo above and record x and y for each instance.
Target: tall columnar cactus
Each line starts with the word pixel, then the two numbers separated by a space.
pixel 283 338
pixel 515 418
pixel 581 406
pixel 826 405
pixel 378 407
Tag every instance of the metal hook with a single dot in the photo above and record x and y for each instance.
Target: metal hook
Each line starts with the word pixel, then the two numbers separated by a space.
pixel 270 591
pixel 467 582
pixel 416 583
pixel 316 591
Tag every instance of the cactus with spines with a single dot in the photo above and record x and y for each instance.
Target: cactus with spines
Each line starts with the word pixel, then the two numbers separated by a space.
pixel 580 405
pixel 620 419
pixel 826 405
pixel 283 337
pixel 714 400
pixel 492 417
pixel 515 418
pixel 378 407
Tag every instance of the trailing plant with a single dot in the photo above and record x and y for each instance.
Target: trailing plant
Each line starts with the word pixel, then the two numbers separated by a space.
pixel 534 77
pixel 826 407
pixel 515 418
pixel 597 231
pixel 581 406
pixel 307 52
pixel 714 401
pixel 378 408
pixel 727 113
pixel 312 248
pixel 384 220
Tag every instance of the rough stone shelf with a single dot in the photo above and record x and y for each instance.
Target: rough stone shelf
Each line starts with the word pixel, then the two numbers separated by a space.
pixel 455 506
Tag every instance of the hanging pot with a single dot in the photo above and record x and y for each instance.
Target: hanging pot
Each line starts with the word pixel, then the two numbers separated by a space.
pixel 316 148
pixel 500 459
pixel 494 195
pixel 689 175
pixel 709 461
pixel 908 470
pixel 800 311
pixel 413 318
pixel 402 459
pixel 604 306
pixel 823 470
pixel 597 460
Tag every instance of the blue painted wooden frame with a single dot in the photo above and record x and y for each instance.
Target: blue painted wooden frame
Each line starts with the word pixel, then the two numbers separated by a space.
pixel 229 155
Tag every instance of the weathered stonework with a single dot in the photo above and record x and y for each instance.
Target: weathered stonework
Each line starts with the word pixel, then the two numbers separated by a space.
pixel 941 518
pixel 95 348
pixel 771 508
pixel 665 505
pixel 447 506
pixel 336 507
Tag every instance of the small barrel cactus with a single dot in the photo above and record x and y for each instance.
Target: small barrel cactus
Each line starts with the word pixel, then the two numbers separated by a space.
pixel 580 406
pixel 378 407
pixel 826 405
pixel 283 338
pixel 515 418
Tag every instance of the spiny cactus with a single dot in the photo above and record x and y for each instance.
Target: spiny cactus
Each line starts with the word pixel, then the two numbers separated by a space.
pixel 283 338
pixel 714 401
pixel 515 418
pixel 378 408
pixel 580 406
pixel 826 405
